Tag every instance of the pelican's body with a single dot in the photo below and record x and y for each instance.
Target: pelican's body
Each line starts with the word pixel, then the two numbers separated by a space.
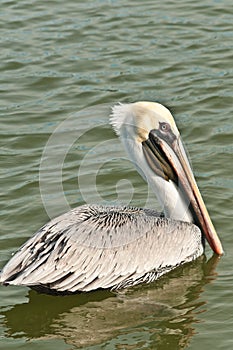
pixel 94 247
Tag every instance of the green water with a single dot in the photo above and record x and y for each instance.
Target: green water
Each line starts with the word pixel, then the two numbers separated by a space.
pixel 59 63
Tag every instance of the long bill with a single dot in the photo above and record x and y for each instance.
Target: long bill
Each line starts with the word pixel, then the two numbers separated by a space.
pixel 174 165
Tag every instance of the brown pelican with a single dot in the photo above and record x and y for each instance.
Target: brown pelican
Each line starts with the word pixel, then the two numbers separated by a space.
pixel 92 247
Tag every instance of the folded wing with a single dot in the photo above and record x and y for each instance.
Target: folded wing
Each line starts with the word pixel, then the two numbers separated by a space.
pixel 94 247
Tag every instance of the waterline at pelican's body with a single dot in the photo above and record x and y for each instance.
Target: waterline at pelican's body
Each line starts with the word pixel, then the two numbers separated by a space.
pixel 94 246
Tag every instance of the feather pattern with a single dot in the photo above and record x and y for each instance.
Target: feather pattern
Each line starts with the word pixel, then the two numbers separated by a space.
pixel 88 249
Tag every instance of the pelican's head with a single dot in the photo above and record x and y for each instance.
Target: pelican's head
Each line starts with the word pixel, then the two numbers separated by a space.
pixel 152 140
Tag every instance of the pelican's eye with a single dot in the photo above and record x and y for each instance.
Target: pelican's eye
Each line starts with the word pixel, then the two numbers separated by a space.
pixel 165 132
pixel 164 127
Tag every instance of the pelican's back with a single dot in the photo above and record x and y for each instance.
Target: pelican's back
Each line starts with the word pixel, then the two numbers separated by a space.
pixel 94 247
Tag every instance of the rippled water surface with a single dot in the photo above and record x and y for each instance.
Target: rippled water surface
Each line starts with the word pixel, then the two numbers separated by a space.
pixel 62 64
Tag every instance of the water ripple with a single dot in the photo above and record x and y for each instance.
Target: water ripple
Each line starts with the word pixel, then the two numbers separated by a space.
pixel 58 58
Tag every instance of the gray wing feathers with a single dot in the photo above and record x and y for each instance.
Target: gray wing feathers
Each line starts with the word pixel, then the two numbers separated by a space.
pixel 102 247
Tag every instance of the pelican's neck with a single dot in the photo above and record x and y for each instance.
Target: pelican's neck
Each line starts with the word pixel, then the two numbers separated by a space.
pixel 171 199
pixel 168 194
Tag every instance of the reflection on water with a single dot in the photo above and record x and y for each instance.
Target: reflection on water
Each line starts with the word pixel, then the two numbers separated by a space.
pixel 155 315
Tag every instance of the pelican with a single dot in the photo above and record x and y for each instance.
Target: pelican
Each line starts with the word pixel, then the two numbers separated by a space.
pixel 104 247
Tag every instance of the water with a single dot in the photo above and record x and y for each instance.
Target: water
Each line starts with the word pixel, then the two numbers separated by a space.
pixel 57 59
